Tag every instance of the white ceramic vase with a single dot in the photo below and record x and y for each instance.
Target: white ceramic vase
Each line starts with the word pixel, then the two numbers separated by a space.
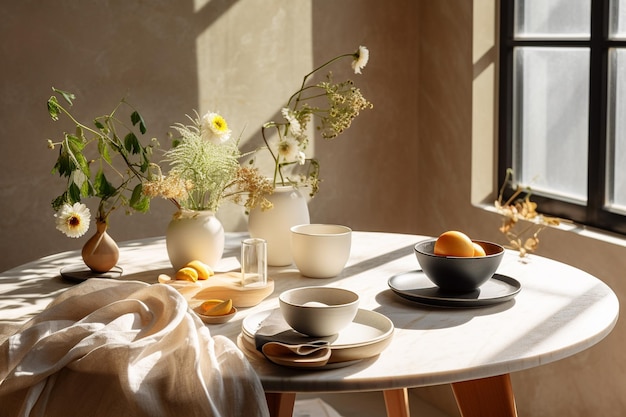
pixel 194 235
pixel 289 209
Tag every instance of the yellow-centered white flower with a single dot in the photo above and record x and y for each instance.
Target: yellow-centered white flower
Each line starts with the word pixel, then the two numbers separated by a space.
pixel 294 125
pixel 288 149
pixel 73 220
pixel 214 128
pixel 361 56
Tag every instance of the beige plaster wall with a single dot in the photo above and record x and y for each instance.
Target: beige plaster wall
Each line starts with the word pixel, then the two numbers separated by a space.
pixel 413 164
pixel 241 58
pixel 456 113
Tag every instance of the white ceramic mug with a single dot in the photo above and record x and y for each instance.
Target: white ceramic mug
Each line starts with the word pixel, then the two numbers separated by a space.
pixel 320 250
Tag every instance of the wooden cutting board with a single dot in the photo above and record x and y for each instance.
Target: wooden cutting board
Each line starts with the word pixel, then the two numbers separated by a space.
pixel 222 286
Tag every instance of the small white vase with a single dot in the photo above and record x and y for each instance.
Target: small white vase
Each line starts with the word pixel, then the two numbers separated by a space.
pixel 194 235
pixel 289 209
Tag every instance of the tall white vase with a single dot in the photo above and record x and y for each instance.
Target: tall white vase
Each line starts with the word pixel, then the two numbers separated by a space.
pixel 290 208
pixel 194 235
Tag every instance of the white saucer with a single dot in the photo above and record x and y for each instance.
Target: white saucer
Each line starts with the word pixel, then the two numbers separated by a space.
pixel 215 319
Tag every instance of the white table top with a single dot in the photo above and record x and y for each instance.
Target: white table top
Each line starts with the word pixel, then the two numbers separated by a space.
pixel 559 312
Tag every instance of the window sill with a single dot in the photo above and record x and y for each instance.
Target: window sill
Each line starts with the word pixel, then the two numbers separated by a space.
pixel 578 229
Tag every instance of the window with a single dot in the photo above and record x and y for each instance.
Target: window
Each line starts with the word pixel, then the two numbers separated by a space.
pixel 563 106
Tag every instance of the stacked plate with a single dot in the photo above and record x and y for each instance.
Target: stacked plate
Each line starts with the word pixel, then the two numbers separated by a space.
pixel 367 336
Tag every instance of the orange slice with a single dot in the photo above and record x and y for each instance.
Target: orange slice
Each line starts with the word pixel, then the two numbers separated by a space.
pixel 187 274
pixel 216 307
pixel 204 271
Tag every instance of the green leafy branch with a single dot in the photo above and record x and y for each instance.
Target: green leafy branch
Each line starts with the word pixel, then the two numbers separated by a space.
pixel 87 159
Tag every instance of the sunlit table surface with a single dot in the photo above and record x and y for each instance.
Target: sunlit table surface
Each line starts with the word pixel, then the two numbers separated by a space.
pixel 559 312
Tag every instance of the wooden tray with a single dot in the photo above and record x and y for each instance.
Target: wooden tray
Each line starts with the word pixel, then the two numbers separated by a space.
pixel 223 286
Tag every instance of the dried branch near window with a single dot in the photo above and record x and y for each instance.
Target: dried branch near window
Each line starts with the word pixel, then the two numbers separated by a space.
pixel 521 223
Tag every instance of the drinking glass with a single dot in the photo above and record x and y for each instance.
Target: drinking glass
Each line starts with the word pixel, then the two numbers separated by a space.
pixel 253 262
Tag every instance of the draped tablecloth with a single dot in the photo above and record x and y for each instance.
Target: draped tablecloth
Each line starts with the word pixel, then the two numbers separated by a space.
pixel 113 348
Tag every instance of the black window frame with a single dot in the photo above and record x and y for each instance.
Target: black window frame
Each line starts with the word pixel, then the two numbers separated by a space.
pixel 594 214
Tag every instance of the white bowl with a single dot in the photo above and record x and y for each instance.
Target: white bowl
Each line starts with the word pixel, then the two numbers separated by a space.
pixel 320 250
pixel 318 311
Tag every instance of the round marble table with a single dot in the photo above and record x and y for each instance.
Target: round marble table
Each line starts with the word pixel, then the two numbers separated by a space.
pixel 559 312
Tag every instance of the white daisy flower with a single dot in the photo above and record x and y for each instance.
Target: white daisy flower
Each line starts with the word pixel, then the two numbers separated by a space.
pixel 288 149
pixel 301 158
pixel 73 221
pixel 360 59
pixel 294 124
pixel 213 128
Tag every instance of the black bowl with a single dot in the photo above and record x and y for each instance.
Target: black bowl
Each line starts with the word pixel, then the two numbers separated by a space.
pixel 459 274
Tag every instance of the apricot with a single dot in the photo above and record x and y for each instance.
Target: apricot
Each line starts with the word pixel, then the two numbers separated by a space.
pixel 478 250
pixel 454 243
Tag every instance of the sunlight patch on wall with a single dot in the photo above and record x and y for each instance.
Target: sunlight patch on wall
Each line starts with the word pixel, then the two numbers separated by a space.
pixel 250 60
pixel 484 102
pixel 199 4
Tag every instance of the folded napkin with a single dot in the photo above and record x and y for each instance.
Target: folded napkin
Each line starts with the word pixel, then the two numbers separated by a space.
pixel 276 339
pixel 124 348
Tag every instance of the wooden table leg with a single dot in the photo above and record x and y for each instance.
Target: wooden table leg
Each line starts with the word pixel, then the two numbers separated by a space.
pixel 280 403
pixel 397 402
pixel 487 397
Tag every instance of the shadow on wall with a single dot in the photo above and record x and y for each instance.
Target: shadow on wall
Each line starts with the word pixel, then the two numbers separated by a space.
pixel 100 52
pixel 242 58
pixel 369 174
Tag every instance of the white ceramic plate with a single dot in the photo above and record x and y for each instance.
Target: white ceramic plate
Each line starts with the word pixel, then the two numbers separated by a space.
pixel 368 335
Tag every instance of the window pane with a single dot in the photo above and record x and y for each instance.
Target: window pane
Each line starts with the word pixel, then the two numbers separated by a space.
pixel 616 155
pixel 617 22
pixel 550 133
pixel 553 19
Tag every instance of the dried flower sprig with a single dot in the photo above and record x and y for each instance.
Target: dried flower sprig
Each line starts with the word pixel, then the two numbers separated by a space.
pixel 343 103
pixel 251 188
pixel 521 236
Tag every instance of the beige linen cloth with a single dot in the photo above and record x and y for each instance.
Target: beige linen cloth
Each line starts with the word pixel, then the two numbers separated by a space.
pixel 111 348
